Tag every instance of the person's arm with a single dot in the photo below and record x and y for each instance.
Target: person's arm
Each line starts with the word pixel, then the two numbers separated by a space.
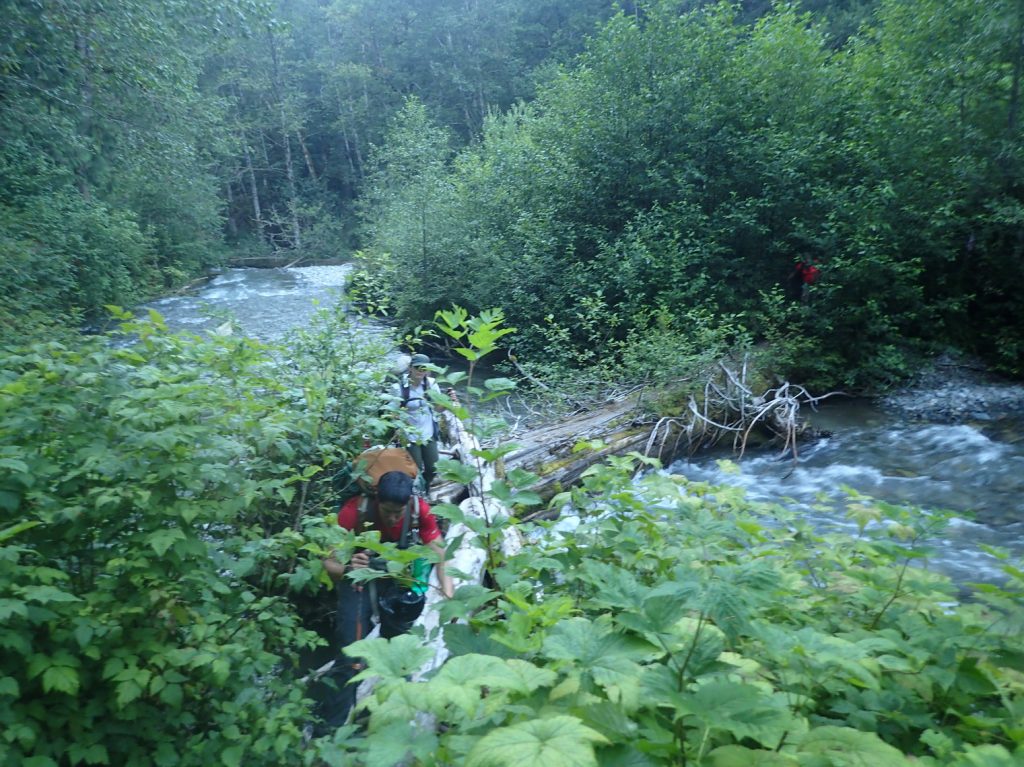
pixel 447 587
pixel 431 536
pixel 452 395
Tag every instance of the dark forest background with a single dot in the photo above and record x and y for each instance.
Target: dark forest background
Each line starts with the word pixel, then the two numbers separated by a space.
pixel 615 176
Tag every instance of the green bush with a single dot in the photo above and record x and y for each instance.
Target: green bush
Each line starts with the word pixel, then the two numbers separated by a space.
pixel 371 283
pixel 680 624
pixel 161 516
pixel 163 511
pixel 66 257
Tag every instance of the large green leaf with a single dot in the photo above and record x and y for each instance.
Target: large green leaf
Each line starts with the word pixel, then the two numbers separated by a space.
pixel 595 647
pixel 739 756
pixel 20 527
pixel 614 586
pixel 161 540
pixel 624 756
pixel 9 607
pixel 989 756
pixel 62 679
pixel 610 719
pixel 559 741
pixel 846 747
pixel 391 659
pixel 468 681
pixel 461 639
pixel 660 687
pixel 396 741
pixel 46 594
pixel 740 709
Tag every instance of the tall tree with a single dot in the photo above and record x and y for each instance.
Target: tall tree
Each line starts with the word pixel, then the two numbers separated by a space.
pixel 688 162
pixel 107 139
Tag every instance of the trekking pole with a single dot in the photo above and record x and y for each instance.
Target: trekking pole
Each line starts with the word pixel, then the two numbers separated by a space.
pixel 358 665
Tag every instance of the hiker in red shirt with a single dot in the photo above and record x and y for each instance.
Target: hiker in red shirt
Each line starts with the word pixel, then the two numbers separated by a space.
pixel 807 274
pixel 400 517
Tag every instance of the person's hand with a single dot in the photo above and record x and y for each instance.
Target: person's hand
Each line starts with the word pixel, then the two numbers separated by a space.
pixel 360 559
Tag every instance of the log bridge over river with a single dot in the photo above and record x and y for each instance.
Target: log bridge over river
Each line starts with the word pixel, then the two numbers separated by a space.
pixel 546 451
pixel 728 408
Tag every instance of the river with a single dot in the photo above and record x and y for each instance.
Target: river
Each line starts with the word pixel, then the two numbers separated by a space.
pixel 261 303
pixel 974 469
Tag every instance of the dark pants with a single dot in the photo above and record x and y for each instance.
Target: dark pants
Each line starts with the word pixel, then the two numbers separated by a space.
pixel 426 458
pixel 352 623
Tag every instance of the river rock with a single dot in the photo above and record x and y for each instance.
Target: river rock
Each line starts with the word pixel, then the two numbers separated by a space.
pixel 955 389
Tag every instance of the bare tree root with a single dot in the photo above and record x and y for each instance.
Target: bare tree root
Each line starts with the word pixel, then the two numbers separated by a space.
pixel 730 407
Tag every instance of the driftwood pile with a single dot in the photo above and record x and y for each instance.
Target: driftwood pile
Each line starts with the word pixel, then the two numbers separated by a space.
pixel 727 407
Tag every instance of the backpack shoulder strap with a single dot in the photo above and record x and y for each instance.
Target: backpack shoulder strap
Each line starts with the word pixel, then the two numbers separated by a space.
pixel 410 521
pixel 364 515
pixel 404 387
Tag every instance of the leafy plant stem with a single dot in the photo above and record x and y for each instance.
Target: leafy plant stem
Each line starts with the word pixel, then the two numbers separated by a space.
pixel 703 743
pixel 679 734
pixel 681 672
pixel 297 522
pixel 895 594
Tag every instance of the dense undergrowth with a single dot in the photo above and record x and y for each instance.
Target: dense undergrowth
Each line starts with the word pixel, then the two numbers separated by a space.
pixel 164 504
pixel 666 622
pixel 154 501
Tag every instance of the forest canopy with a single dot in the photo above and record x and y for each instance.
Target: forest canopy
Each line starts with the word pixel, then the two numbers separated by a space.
pixel 614 176
pixel 686 163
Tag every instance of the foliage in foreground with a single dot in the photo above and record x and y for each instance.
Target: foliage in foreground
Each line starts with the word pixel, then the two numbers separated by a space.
pixel 679 624
pixel 156 540
pixel 154 529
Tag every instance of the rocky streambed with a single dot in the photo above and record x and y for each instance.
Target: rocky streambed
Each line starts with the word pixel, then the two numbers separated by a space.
pixel 954 390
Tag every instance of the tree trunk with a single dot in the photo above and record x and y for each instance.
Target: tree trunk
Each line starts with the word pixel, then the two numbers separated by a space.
pixel 349 153
pixel 232 224
pixel 289 168
pixel 1013 116
pixel 292 191
pixel 305 153
pixel 85 121
pixel 549 451
pixel 254 191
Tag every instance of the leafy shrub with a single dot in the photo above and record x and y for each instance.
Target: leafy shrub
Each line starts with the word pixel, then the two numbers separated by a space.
pixel 371 283
pixel 67 257
pixel 156 532
pixel 668 622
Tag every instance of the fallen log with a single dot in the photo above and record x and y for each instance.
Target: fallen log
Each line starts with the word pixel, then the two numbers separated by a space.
pixel 468 563
pixel 726 406
pixel 615 428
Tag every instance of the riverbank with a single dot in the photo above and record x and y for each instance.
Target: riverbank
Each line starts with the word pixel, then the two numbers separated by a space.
pixel 281 261
pixel 956 389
